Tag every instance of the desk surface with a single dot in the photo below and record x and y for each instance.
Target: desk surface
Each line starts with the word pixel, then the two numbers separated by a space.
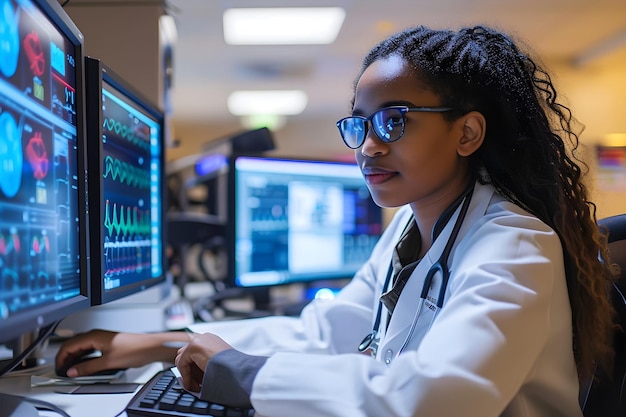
pixel 78 405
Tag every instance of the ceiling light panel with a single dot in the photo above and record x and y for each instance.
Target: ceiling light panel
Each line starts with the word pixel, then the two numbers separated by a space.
pixel 267 102
pixel 282 26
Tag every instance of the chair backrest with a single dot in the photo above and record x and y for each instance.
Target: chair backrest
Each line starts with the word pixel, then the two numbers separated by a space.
pixel 605 396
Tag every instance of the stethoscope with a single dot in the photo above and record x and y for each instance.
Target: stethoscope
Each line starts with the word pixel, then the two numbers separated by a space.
pixel 371 341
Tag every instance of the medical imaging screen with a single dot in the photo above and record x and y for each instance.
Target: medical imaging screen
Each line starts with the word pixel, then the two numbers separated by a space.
pixel 39 178
pixel 299 221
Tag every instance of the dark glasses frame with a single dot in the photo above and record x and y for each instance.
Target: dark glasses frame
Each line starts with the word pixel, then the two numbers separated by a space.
pixel 342 125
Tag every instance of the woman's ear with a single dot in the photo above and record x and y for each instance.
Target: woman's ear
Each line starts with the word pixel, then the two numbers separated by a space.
pixel 474 127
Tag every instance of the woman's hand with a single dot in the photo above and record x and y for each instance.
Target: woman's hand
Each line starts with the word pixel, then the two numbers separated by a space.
pixel 119 350
pixel 192 359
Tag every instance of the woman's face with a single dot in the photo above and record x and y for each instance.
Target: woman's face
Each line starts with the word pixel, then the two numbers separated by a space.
pixel 422 168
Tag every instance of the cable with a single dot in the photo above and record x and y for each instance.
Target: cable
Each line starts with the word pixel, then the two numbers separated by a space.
pixel 43 334
pixel 123 412
pixel 216 246
pixel 45 405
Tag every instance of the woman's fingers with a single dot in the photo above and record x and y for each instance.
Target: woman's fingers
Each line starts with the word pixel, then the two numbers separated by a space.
pixel 192 359
pixel 188 370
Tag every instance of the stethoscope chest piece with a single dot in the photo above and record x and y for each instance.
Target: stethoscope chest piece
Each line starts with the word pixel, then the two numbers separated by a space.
pixel 369 344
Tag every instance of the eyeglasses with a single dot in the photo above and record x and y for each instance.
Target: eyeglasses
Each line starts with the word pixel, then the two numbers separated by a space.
pixel 388 124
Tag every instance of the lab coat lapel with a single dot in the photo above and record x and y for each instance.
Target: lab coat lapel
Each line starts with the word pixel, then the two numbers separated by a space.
pixel 409 301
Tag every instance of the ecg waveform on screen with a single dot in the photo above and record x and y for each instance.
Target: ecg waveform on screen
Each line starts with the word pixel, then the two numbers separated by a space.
pixel 127 245
pixel 126 173
pixel 132 134
pixel 129 222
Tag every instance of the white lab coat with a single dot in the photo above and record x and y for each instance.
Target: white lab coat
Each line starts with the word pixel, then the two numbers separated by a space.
pixel 500 346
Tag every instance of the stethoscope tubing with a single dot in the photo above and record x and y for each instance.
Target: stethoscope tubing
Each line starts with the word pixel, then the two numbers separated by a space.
pixel 441 265
pixel 371 340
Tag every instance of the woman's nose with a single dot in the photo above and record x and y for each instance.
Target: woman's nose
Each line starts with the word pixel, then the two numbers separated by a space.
pixel 373 146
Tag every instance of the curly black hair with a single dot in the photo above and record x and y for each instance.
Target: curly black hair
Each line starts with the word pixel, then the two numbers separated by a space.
pixel 529 153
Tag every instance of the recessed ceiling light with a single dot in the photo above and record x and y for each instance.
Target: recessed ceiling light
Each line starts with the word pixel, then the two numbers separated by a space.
pixel 267 102
pixel 282 26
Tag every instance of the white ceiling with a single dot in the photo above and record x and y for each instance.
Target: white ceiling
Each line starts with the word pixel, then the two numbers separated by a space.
pixel 206 70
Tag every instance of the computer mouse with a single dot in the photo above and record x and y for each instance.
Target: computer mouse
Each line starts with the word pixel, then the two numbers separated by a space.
pixel 107 373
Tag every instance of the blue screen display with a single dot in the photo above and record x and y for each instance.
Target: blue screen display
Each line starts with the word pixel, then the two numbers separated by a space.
pixel 300 220
pixel 40 208
pixel 131 192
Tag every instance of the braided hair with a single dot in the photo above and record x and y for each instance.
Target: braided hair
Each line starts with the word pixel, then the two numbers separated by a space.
pixel 529 154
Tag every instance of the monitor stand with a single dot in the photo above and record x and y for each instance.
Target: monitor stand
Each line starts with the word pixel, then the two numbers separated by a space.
pixel 137 313
pixel 261 297
pixel 13 406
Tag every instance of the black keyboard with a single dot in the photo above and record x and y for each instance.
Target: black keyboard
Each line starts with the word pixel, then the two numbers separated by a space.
pixel 164 396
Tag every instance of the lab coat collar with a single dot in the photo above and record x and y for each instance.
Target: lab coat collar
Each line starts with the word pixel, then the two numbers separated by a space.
pixel 409 301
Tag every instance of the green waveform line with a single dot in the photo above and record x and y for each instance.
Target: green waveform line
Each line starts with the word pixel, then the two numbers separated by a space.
pixel 131 222
pixel 126 173
pixel 126 132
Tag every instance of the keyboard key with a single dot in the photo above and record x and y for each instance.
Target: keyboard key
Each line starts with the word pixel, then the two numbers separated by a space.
pixel 200 407
pixel 217 410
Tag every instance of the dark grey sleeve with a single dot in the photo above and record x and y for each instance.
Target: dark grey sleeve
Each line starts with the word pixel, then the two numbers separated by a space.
pixel 228 378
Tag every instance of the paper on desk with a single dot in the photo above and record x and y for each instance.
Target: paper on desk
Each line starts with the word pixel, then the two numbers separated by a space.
pixel 41 380
pixel 51 378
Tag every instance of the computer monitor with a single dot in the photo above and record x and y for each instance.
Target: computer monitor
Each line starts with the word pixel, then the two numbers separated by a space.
pixel 126 151
pixel 299 221
pixel 44 272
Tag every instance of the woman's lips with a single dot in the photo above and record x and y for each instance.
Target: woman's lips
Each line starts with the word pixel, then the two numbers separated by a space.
pixel 377 176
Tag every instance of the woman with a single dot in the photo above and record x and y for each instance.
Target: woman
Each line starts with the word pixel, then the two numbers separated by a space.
pixel 493 274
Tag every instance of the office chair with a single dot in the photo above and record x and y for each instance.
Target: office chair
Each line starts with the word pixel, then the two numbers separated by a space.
pixel 605 396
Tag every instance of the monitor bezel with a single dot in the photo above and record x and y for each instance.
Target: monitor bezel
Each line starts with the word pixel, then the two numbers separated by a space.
pixel 39 317
pixel 97 72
